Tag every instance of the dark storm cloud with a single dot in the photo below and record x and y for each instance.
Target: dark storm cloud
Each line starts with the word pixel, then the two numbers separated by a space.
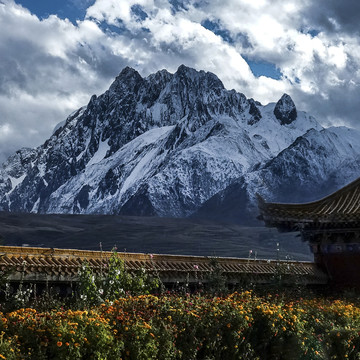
pixel 24 66
pixel 322 13
pixel 339 109
pixel 334 103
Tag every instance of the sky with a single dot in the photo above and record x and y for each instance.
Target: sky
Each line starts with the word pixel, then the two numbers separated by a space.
pixel 55 54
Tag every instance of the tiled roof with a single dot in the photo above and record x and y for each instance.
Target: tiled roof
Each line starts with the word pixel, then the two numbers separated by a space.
pixel 39 264
pixel 341 207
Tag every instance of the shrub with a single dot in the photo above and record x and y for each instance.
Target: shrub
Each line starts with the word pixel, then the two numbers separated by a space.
pixel 131 325
pixel 115 281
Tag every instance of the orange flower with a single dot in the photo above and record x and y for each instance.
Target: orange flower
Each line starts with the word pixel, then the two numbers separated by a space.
pixel 59 343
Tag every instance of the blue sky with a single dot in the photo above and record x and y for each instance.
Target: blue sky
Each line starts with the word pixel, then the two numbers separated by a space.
pixel 70 9
pixel 263 68
pixel 51 66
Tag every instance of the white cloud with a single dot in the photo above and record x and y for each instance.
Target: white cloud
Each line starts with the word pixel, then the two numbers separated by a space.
pixel 277 32
pixel 50 67
pixel 175 38
pixel 112 11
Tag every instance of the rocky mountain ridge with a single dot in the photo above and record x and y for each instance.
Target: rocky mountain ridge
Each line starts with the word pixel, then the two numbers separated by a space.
pixel 168 144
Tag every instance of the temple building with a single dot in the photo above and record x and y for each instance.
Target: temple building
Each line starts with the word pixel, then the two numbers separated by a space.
pixel 331 226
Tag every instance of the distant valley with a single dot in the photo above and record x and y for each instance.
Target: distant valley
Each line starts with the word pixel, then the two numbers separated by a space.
pixel 150 235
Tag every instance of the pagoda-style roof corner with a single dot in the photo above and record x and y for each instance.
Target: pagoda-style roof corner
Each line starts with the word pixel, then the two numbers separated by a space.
pixel 339 209
pixel 261 201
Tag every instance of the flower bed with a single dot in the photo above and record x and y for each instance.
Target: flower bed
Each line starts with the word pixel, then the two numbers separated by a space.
pixel 238 326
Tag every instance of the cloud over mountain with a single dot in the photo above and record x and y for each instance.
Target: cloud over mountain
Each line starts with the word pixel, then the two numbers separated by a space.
pixel 50 66
pixel 178 145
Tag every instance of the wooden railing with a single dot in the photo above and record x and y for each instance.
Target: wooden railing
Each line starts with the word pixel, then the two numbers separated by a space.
pixel 62 265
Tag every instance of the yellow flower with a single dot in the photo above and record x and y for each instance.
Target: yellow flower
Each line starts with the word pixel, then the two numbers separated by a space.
pixel 2 356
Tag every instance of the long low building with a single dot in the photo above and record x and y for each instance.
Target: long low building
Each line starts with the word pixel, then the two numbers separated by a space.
pixel 39 265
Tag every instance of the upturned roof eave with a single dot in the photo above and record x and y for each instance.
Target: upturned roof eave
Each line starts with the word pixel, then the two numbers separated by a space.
pixel 340 207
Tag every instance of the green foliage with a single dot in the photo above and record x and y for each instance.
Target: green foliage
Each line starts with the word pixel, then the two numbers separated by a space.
pixel 113 282
pixel 15 298
pixel 215 280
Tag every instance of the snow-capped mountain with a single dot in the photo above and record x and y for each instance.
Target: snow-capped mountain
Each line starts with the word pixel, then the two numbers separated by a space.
pixel 315 165
pixel 169 145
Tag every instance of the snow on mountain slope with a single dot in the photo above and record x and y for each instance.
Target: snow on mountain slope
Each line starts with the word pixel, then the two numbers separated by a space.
pixel 103 188
pixel 316 164
pixel 168 143
pixel 278 137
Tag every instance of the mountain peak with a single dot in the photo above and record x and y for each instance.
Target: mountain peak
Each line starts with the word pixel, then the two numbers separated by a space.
pixel 128 78
pixel 208 79
pixel 160 76
pixel 285 110
pixel 184 69
pixel 128 71
pixel 185 72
